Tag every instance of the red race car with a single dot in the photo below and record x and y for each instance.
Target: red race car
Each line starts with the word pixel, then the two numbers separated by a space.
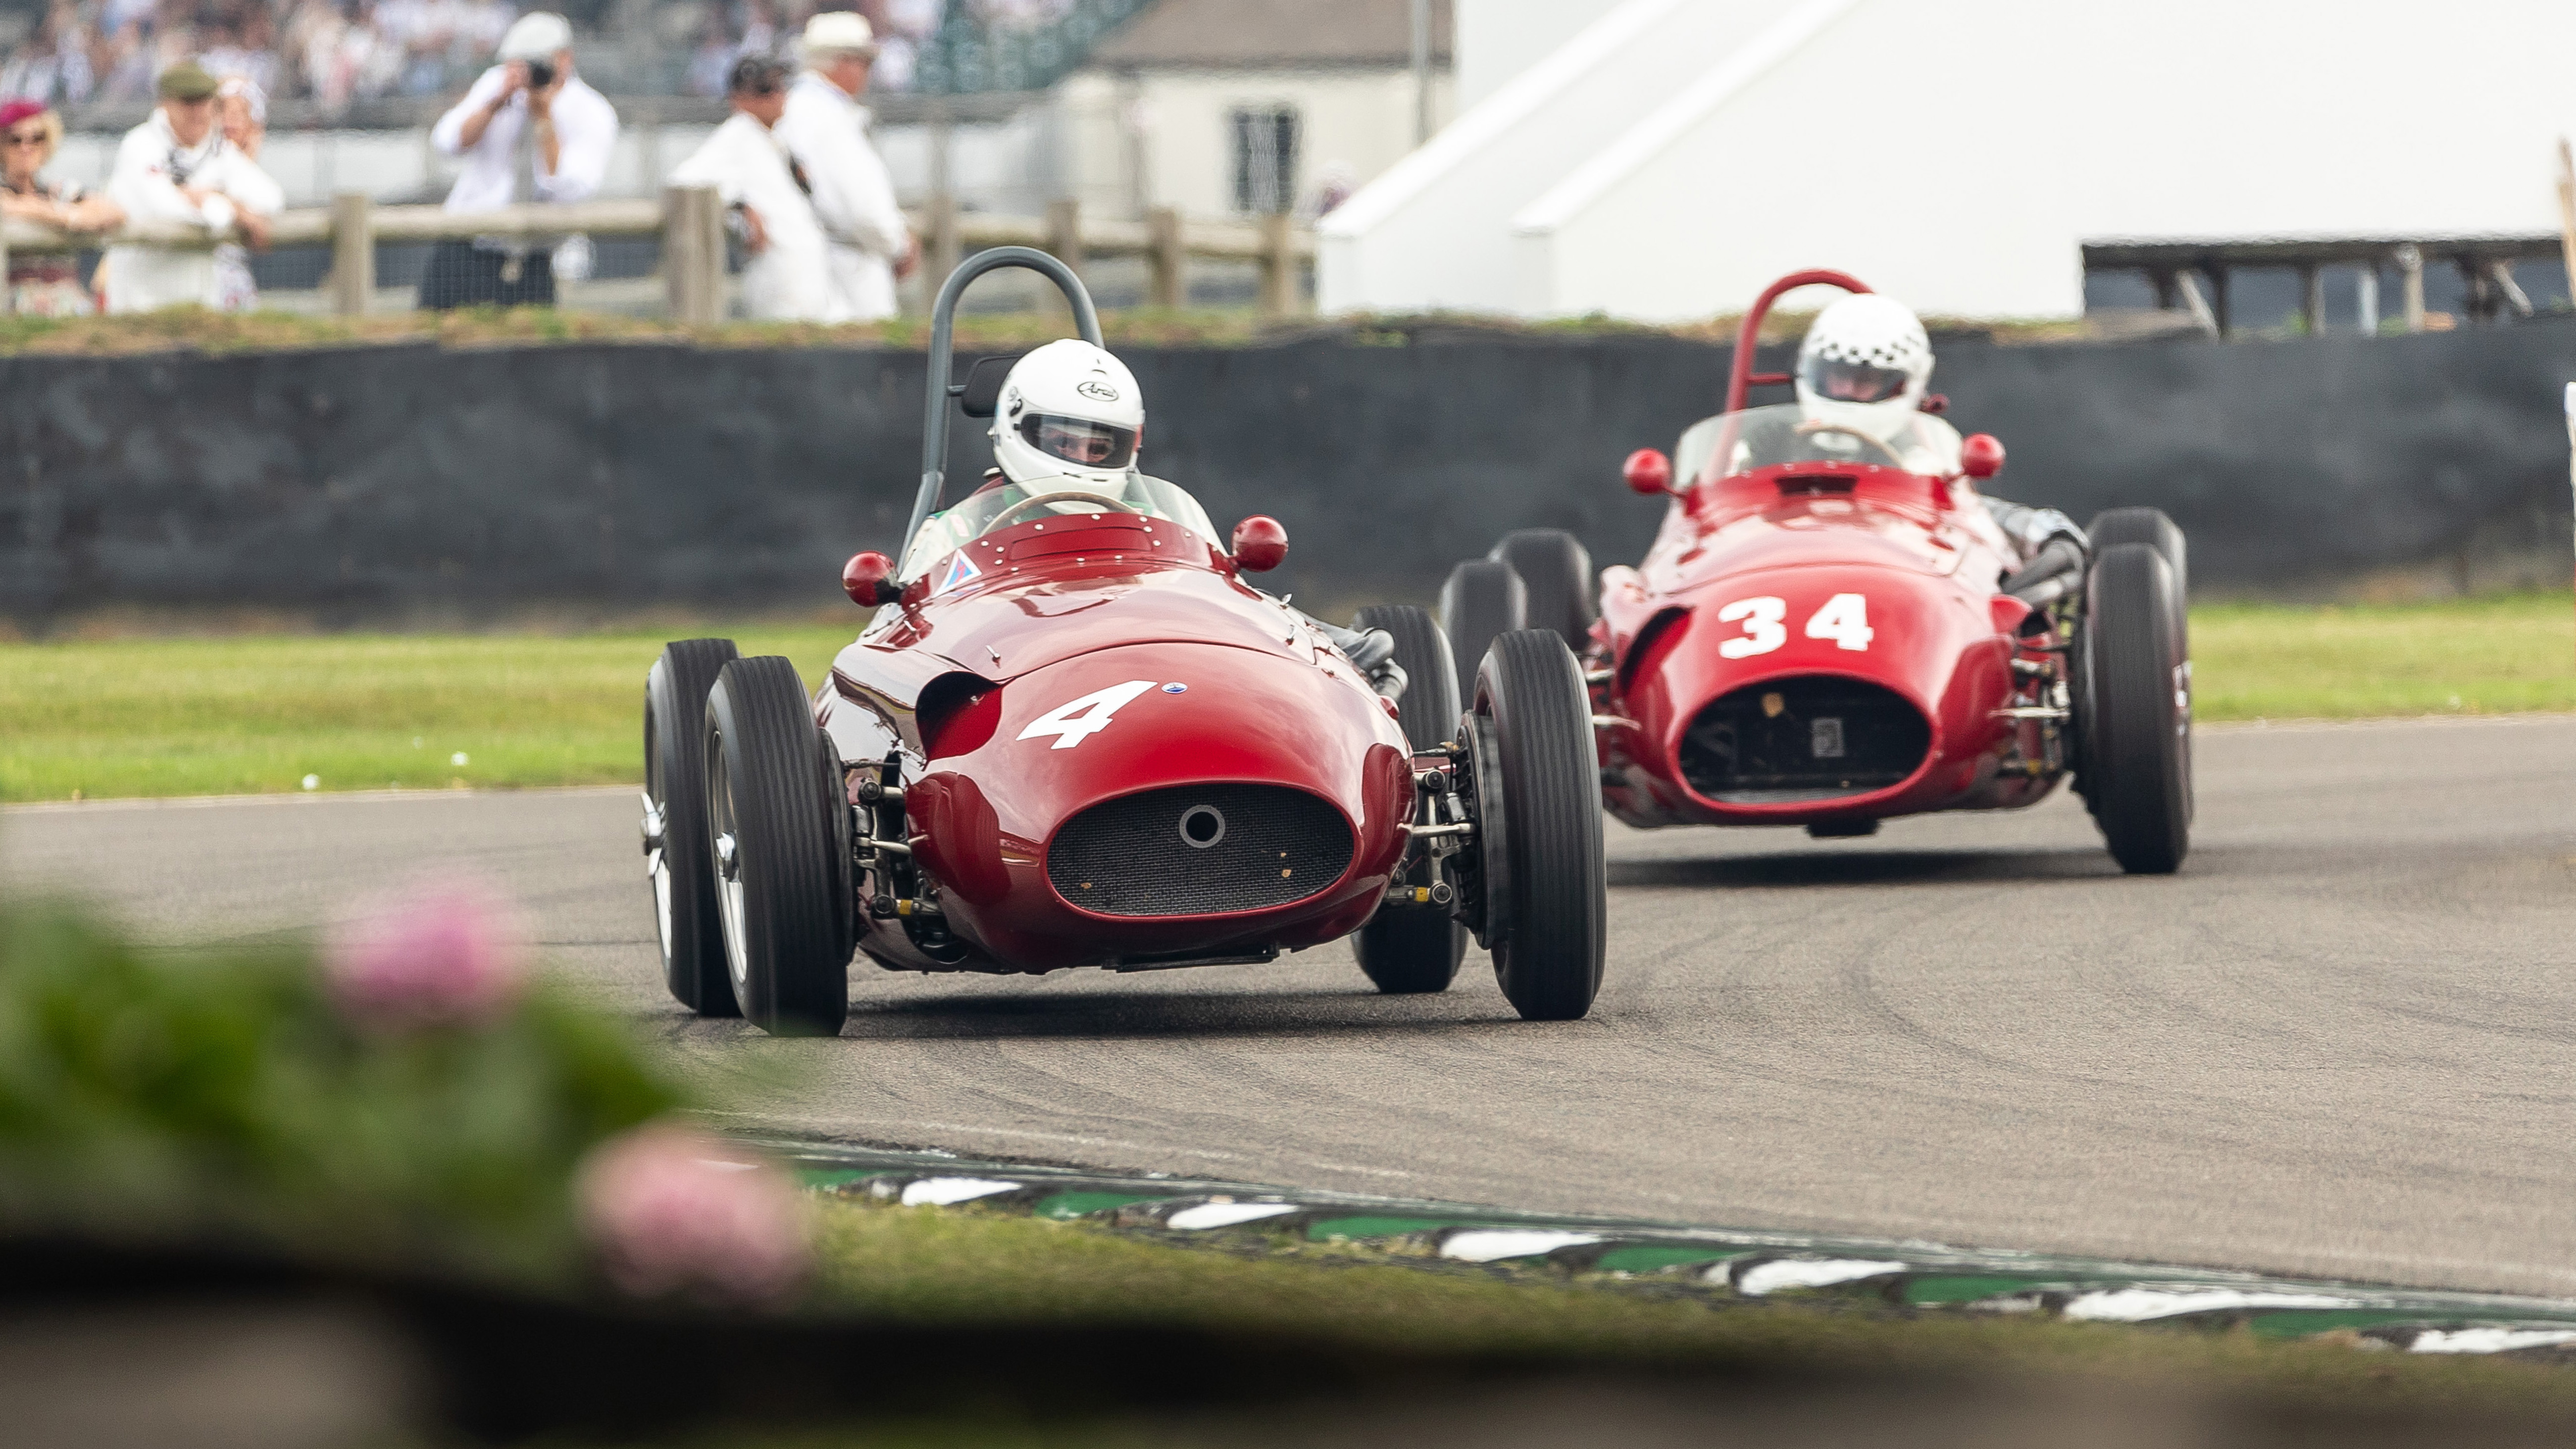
pixel 1831 630
pixel 1074 736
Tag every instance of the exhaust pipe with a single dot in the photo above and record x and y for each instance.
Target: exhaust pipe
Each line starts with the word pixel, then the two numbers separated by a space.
pixel 2049 576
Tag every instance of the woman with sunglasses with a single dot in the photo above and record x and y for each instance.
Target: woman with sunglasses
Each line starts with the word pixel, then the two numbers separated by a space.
pixel 49 284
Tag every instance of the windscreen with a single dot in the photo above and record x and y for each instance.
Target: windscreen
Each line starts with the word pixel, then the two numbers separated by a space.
pixel 943 533
pixel 1732 443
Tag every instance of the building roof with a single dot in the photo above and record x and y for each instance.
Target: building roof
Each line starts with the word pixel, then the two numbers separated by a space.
pixel 1247 34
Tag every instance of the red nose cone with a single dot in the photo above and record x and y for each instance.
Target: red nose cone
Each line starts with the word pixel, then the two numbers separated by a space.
pixel 1648 471
pixel 1260 544
pixel 869 579
pixel 1981 456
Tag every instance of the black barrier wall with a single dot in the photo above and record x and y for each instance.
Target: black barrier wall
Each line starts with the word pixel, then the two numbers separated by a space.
pixel 391 480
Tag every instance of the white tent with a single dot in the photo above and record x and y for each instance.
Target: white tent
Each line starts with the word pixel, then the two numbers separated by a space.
pixel 1666 160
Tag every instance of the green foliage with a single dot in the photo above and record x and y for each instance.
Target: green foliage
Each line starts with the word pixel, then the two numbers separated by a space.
pixel 157 1094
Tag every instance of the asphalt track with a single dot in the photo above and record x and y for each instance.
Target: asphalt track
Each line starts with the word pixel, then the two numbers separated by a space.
pixel 2338 1043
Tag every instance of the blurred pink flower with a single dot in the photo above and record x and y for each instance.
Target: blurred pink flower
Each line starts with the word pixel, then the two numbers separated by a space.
pixel 674 1209
pixel 437 953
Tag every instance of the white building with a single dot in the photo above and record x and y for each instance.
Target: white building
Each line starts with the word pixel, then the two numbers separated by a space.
pixel 1663 159
pixel 1226 107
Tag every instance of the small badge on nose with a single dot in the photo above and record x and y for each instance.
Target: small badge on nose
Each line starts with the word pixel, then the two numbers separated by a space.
pixel 1176 689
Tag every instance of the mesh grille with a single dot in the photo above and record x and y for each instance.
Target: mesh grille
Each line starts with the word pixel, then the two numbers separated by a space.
pixel 1808 738
pixel 1129 857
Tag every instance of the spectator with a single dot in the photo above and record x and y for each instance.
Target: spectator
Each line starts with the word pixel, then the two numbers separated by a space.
pixel 45 285
pixel 768 195
pixel 530 132
pixel 54 65
pixel 241 108
pixel 177 167
pixel 713 59
pixel 826 128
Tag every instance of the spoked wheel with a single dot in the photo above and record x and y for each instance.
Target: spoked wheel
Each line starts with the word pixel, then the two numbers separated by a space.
pixel 1411 949
pixel 780 863
pixel 1556 573
pixel 675 823
pixel 1541 894
pixel 2136 701
pixel 1483 600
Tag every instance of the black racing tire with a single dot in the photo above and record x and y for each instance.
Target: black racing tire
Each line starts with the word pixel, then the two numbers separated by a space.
pixel 1554 929
pixel 2137 711
pixel 1481 601
pixel 1409 950
pixel 1556 575
pixel 784 900
pixel 675 783
pixel 2115 526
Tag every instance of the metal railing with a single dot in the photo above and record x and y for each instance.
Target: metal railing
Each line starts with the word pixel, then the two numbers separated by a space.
pixel 690 223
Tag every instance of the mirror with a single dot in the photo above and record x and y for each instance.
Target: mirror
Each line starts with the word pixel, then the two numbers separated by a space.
pixel 868 578
pixel 1981 456
pixel 1648 471
pixel 1260 544
pixel 984 386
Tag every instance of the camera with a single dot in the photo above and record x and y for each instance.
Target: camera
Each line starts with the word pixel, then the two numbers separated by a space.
pixel 541 74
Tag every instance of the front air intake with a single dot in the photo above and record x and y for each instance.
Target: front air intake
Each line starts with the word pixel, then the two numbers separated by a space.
pixel 1199 850
pixel 1813 737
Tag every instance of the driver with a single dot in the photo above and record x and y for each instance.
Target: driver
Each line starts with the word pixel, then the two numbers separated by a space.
pixel 1071 419
pixel 1863 368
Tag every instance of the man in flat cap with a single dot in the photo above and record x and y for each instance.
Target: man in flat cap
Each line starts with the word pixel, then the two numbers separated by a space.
pixel 767 196
pixel 530 132
pixel 825 128
pixel 177 167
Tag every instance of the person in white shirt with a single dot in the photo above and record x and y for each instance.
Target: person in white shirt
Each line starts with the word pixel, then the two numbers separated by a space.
pixel 768 195
pixel 529 131
pixel 177 167
pixel 826 129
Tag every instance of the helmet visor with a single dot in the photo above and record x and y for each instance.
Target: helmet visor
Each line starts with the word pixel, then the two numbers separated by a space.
pixel 1079 441
pixel 1855 382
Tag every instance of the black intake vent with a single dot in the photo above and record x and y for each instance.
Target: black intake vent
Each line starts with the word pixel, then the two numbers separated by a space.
pixel 1199 850
pixel 1813 737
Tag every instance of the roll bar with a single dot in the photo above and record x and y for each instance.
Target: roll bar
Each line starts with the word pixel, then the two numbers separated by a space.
pixel 1741 379
pixel 941 391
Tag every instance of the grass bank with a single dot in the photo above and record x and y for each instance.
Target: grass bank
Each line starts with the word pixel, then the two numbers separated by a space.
pixel 256 713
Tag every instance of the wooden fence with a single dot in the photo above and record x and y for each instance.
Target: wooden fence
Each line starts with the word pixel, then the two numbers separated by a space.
pixel 690 222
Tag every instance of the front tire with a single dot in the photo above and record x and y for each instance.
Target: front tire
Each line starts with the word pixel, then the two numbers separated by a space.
pixel 1413 949
pixel 1482 600
pixel 1548 895
pixel 2137 711
pixel 2115 526
pixel 784 898
pixel 675 824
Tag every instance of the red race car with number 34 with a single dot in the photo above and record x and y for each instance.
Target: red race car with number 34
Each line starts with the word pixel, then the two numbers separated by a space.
pixel 1832 627
pixel 1073 735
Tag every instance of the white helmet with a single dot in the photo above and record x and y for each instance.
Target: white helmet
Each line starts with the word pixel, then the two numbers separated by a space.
pixel 1864 366
pixel 1069 420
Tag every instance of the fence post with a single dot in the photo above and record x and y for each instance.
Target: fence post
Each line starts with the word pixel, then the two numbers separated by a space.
pixel 2410 271
pixel 1278 264
pixel 1169 258
pixel 353 253
pixel 693 254
pixel 1064 241
pixel 943 246
pixel 8 294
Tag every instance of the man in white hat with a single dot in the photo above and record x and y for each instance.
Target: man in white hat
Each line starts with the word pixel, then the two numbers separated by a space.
pixel 766 196
pixel 529 132
pixel 825 128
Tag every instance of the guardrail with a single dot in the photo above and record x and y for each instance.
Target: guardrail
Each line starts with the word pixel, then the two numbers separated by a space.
pixel 690 222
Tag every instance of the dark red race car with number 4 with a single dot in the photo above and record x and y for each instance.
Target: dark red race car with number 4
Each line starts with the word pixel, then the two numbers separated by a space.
pixel 1074 736
pixel 1824 636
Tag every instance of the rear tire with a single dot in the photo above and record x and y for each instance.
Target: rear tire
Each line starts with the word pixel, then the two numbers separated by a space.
pixel 1556 573
pixel 1413 949
pixel 1482 601
pixel 785 901
pixel 1553 895
pixel 675 781
pixel 2115 526
pixel 2137 711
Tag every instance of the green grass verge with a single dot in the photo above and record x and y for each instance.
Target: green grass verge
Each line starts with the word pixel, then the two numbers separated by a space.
pixel 255 713
pixel 953 1266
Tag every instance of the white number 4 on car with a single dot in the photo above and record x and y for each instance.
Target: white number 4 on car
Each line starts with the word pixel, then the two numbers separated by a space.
pixel 1077 720
pixel 1845 620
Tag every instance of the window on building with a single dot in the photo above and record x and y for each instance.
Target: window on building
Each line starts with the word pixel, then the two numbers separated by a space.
pixel 1265 159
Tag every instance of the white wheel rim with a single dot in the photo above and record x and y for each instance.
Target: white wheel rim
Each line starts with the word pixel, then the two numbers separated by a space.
pixel 728 882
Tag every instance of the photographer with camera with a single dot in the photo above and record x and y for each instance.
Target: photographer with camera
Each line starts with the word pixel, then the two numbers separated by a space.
pixel 529 132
